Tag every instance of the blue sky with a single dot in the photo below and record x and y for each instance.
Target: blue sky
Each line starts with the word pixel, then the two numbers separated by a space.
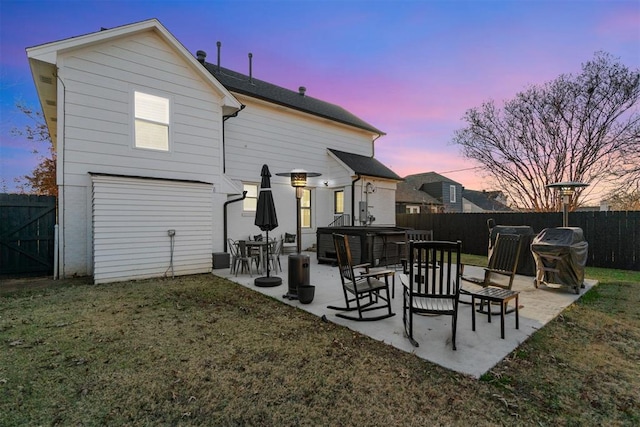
pixel 411 68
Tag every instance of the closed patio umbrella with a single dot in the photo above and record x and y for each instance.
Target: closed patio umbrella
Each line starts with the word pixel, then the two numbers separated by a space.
pixel 266 220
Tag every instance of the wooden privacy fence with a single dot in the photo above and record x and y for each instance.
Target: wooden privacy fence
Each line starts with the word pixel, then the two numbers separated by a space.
pixel 26 234
pixel 613 237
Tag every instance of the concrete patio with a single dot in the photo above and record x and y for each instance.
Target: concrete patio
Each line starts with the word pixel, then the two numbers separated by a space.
pixel 477 352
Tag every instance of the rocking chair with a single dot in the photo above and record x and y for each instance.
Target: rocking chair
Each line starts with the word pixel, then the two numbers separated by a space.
pixel 362 292
pixel 432 284
pixel 501 269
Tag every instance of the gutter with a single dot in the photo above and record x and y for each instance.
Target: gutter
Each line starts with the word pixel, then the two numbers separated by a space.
pixel 373 145
pixel 244 196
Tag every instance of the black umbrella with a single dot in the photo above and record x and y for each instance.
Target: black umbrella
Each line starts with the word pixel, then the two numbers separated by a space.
pixel 266 220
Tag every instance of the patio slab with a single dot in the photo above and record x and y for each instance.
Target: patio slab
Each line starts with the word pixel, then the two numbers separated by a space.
pixel 477 351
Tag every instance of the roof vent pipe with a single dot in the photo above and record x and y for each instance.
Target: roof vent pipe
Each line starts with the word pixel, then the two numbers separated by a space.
pixel 302 90
pixel 201 55
pixel 250 67
pixel 219 45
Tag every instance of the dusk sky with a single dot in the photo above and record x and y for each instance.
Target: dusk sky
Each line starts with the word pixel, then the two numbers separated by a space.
pixel 410 68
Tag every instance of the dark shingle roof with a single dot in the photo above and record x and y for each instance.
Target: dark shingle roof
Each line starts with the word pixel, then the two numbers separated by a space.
pixel 485 200
pixel 363 165
pixel 428 177
pixel 240 83
pixel 406 192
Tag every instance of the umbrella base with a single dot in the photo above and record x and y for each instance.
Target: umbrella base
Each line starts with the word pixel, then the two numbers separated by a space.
pixel 267 282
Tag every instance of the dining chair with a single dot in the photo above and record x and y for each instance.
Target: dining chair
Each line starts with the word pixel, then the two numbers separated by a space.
pixel 245 258
pixel 275 249
pixel 233 252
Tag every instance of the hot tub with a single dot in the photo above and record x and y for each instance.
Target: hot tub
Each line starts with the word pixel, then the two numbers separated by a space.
pixel 369 244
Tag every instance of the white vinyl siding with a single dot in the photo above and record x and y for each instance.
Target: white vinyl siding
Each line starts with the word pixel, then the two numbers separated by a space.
pixel 151 121
pixel 286 140
pixel 131 220
pixel 100 82
pixel 99 115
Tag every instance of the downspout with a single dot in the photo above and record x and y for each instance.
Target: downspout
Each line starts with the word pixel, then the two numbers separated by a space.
pixel 353 199
pixel 61 186
pixel 244 196
pixel 373 145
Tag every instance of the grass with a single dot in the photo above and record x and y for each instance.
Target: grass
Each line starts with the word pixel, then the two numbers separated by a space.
pixel 201 350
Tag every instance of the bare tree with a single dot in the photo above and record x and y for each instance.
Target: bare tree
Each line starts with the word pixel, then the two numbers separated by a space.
pixel 43 178
pixel 575 128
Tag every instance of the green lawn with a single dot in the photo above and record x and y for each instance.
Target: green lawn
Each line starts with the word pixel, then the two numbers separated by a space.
pixel 201 350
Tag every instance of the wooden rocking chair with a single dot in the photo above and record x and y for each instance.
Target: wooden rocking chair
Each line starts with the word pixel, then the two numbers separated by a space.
pixel 501 269
pixel 432 284
pixel 363 292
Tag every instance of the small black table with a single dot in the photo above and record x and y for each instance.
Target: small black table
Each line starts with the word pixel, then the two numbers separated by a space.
pixel 502 296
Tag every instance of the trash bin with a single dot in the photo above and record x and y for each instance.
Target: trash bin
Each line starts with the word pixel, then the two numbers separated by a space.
pixel 561 256
pixel 220 260
pixel 299 274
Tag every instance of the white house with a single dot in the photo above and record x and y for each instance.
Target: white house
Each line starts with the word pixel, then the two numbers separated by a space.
pixel 156 147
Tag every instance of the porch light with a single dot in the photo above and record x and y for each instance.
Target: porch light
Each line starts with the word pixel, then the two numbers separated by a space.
pixel 566 190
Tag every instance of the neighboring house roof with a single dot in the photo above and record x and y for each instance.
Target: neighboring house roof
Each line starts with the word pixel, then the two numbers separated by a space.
pixel 486 200
pixel 428 177
pixel 363 165
pixel 250 86
pixel 406 192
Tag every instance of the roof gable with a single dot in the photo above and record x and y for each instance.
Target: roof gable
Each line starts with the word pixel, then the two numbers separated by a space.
pixel 406 192
pixel 363 165
pixel 43 60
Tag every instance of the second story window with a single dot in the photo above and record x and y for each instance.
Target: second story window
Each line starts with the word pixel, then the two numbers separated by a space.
pixel 452 193
pixel 305 209
pixel 250 202
pixel 151 122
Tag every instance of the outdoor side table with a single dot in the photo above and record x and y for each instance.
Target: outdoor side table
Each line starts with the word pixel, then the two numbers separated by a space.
pixel 502 296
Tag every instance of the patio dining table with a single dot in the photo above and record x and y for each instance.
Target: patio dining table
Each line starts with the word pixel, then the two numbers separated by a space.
pixel 261 245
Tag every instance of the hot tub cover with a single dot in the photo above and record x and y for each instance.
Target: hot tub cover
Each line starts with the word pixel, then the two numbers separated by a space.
pixel 526 264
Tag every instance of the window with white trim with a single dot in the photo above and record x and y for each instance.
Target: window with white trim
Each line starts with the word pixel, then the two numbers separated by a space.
pixel 250 202
pixel 305 209
pixel 151 121
pixel 338 202
pixel 412 209
pixel 452 193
